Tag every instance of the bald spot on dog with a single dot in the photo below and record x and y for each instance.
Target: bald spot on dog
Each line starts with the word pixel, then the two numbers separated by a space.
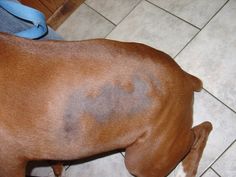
pixel 108 103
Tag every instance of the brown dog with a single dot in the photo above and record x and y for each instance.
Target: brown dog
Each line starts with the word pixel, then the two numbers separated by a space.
pixel 70 100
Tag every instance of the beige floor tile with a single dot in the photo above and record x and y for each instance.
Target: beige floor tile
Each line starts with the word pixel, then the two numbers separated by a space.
pixel 42 171
pixel 39 169
pixel 85 23
pixel 226 165
pixel 114 10
pixel 196 12
pixel 153 26
pixel 110 166
pixel 211 55
pixel 210 173
pixel 224 126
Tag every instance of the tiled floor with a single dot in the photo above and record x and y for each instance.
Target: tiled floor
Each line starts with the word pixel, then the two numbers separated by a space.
pixel 201 36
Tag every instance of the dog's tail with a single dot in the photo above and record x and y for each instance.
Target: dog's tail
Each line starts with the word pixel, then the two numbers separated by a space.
pixel 195 82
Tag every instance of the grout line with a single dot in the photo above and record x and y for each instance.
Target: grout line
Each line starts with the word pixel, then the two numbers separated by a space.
pixel 122 154
pixel 124 18
pixel 66 168
pixel 114 25
pixel 220 101
pixel 173 14
pixel 210 166
pixel 234 141
pixel 215 14
pixel 204 172
pixel 194 36
pixel 129 12
pixel 215 171
pixel 99 14
pixel 200 29
pixel 109 32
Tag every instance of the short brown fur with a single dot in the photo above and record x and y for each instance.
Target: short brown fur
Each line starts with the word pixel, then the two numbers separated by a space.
pixel 69 100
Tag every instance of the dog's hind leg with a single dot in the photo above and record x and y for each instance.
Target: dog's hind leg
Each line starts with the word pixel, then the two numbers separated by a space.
pixel 189 165
pixel 154 156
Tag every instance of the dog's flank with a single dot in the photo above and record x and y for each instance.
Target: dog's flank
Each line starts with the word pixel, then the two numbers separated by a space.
pixel 109 102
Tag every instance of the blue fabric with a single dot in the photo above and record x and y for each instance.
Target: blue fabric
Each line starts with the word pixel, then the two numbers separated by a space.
pixel 29 14
pixel 11 24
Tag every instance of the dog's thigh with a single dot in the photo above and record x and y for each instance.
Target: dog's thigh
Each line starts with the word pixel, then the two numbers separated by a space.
pixel 156 157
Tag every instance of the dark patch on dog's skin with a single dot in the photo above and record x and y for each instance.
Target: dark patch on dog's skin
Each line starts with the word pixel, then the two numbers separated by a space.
pixel 113 100
pixel 70 115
